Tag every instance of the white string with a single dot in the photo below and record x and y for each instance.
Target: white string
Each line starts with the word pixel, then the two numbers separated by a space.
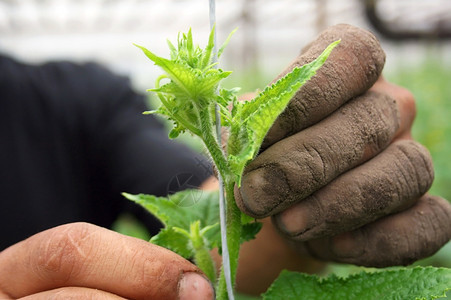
pixel 212 24
pixel 222 203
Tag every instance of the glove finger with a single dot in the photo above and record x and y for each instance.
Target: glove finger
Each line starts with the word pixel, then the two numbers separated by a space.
pixel 299 165
pixel 351 69
pixel 390 182
pixel 394 240
pixel 406 105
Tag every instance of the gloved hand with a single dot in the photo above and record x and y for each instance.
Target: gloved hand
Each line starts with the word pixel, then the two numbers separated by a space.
pixel 339 171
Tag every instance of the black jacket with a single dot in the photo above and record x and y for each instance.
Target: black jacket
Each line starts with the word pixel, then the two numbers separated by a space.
pixel 72 138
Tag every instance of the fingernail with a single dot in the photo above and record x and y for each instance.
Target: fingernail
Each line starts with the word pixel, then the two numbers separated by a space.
pixel 195 286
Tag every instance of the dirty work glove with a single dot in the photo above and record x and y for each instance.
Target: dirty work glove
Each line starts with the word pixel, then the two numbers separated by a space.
pixel 339 171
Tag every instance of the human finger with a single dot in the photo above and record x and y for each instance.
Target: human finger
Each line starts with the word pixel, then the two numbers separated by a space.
pixel 73 293
pixel 351 69
pixel 390 182
pixel 85 255
pixel 301 164
pixel 398 239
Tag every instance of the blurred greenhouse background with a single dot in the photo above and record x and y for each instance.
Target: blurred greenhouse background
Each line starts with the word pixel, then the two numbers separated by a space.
pixel 416 35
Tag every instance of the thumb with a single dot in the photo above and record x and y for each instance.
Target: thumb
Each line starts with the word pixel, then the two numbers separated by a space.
pixel 84 255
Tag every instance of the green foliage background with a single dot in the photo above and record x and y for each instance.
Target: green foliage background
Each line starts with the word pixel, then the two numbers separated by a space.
pixel 430 82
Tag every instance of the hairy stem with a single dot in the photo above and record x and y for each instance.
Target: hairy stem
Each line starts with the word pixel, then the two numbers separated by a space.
pixel 233 214
pixel 212 144
pixel 204 261
pixel 202 256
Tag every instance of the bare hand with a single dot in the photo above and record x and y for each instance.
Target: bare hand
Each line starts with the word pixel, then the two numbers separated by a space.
pixel 81 261
pixel 340 173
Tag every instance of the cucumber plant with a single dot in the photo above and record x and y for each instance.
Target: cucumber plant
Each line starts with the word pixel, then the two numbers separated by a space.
pixel 189 91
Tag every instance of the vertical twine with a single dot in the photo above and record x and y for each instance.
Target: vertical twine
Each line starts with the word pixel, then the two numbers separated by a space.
pixel 222 203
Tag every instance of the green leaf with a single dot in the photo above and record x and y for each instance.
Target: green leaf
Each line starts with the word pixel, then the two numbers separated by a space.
pixel 193 84
pixel 179 72
pixel 221 49
pixel 189 44
pixel 182 208
pixel 291 81
pixel 249 231
pixel 207 85
pixel 191 220
pixel 207 53
pixel 253 119
pixel 173 240
pixel 403 283
pixel 245 219
pixel 213 235
pixel 172 50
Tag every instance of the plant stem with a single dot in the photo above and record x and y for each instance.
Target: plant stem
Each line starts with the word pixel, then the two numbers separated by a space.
pixel 233 237
pixel 226 269
pixel 204 261
pixel 202 256
pixel 226 272
pixel 211 143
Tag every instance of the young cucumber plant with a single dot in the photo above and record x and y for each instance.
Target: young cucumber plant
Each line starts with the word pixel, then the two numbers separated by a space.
pixel 188 99
pixel 189 91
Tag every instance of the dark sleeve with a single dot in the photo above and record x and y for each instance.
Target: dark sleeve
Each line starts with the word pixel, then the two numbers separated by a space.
pixel 133 149
pixel 73 138
pixel 126 151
